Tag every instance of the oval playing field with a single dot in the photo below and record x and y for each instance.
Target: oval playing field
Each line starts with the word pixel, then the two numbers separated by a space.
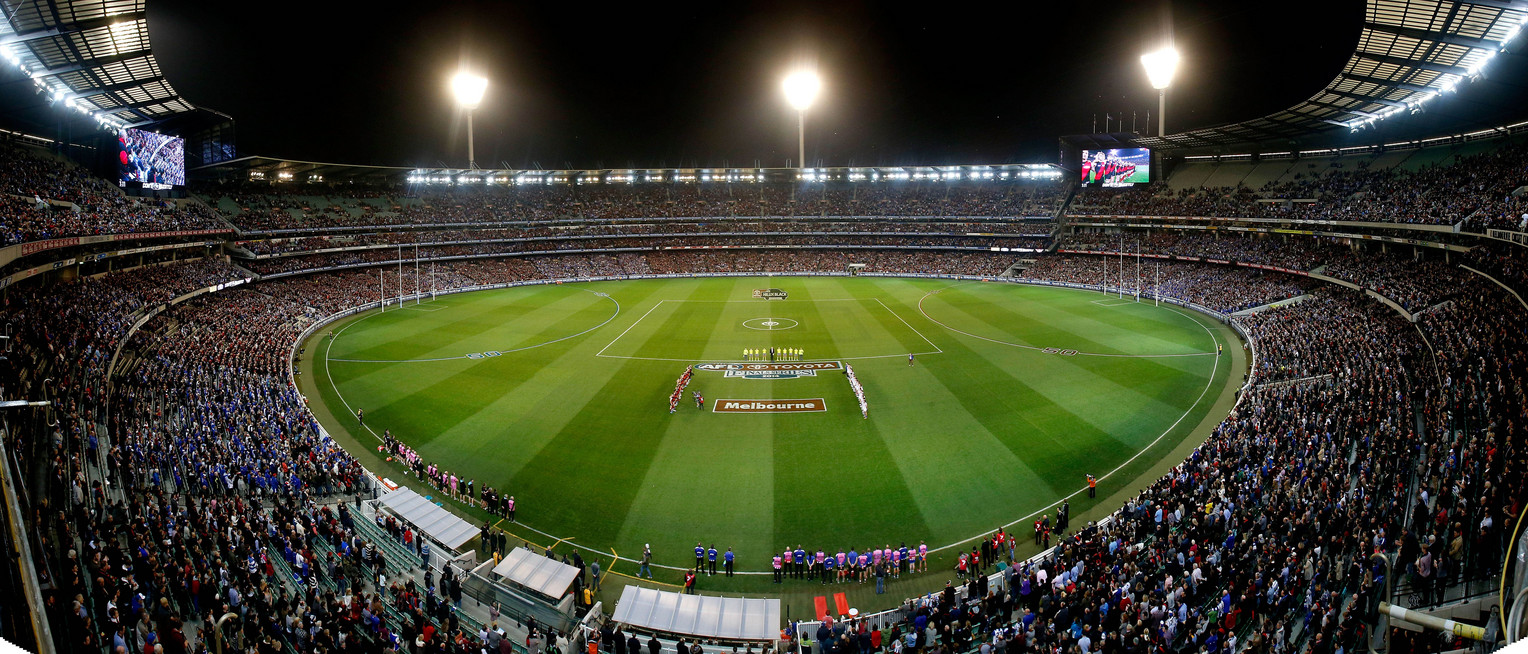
pixel 558 394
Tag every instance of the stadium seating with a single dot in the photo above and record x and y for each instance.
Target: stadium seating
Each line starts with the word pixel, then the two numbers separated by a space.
pixel 45 197
pixel 192 476
pixel 1475 190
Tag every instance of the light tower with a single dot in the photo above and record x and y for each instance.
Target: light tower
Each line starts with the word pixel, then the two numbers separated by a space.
pixel 469 89
pixel 801 89
pixel 1160 66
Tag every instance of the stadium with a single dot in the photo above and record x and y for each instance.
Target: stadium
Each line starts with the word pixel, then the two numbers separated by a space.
pixel 1251 385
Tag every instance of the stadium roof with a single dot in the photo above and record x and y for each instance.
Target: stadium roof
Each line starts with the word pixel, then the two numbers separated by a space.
pixel 705 616
pixel 92 56
pixel 429 517
pixel 1411 56
pixel 544 575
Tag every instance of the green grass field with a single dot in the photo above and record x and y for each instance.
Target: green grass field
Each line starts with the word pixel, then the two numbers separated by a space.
pixel 997 420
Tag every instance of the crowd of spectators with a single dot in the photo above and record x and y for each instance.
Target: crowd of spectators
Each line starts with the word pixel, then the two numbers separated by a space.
pixel 1447 193
pixel 408 255
pixel 671 227
pixel 1411 283
pixel 1304 254
pixel 286 209
pixel 30 178
pixel 222 493
pixel 1260 539
pixel 1225 289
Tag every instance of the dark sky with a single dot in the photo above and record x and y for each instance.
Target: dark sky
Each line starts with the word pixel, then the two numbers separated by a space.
pixel 596 85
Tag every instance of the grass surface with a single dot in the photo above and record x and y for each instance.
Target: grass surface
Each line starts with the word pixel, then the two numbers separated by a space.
pixel 987 428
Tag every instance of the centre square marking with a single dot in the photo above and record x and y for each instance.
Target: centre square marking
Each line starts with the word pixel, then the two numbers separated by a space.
pixel 770 324
pixel 810 405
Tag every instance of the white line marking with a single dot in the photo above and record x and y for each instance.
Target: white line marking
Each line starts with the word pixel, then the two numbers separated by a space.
pixel 618 337
pixel 464 356
pixel 937 549
pixel 1208 383
pixel 1041 349
pixel 915 329
pixel 335 387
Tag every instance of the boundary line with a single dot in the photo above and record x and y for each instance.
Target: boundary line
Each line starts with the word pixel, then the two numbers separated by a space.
pixel 1039 349
pixel 329 374
pixel 1210 382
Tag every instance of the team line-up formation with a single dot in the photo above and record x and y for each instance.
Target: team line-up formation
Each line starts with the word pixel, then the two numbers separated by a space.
pixel 774 354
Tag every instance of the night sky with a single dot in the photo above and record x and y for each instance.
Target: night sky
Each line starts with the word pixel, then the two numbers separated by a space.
pixel 593 85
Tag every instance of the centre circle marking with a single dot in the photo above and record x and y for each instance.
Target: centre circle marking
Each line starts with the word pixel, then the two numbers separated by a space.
pixel 770 324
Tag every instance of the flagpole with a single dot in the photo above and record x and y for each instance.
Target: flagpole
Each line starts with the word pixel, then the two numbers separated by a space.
pixel 416 274
pixel 400 274
pixel 382 289
pixel 1156 285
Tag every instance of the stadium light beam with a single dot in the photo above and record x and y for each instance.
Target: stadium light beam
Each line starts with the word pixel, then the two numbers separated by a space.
pixel 801 89
pixel 469 89
pixel 1160 66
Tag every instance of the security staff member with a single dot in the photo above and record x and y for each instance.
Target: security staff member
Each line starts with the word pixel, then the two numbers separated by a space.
pixel 711 558
pixel 727 561
pixel 700 557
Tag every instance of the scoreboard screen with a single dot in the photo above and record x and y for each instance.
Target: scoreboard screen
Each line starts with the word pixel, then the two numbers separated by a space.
pixel 1116 168
pixel 156 161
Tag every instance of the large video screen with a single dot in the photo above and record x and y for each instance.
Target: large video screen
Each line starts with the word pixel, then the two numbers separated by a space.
pixel 154 160
pixel 1119 167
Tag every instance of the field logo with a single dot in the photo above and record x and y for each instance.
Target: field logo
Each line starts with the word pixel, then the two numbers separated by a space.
pixel 771 370
pixel 770 406
pixel 768 294
pixel 770 324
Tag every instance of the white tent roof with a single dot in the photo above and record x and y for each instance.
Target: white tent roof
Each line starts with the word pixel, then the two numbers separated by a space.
pixel 436 522
pixel 549 577
pixel 728 618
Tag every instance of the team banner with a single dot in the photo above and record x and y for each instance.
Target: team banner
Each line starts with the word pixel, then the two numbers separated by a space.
pixel 770 406
pixel 771 370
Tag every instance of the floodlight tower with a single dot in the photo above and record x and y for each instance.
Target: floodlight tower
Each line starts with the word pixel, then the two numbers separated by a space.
pixel 801 89
pixel 469 90
pixel 1160 66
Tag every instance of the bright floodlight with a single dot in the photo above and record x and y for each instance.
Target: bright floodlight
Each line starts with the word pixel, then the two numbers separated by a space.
pixel 469 89
pixel 801 89
pixel 1160 66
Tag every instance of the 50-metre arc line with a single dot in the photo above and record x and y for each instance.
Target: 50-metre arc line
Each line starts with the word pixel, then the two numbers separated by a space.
pixel 464 356
pixel 1041 349
pixel 1149 446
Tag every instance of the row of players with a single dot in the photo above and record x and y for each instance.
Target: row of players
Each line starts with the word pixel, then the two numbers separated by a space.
pixel 773 354
pixel 841 568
